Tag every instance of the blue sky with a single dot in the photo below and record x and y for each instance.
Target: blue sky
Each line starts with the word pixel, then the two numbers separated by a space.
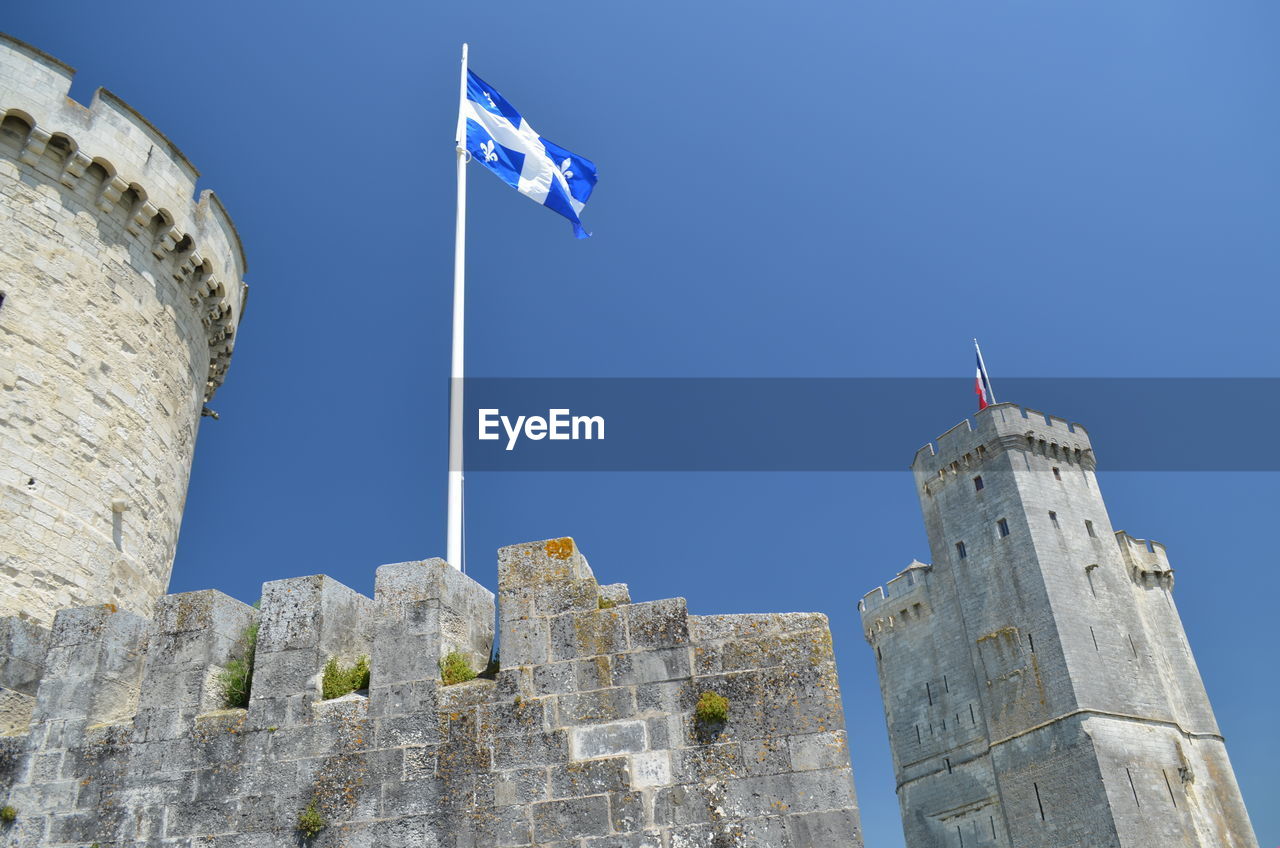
pixel 815 189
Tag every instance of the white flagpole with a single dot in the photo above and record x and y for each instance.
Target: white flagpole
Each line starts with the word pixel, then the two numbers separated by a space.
pixel 453 546
pixel 985 375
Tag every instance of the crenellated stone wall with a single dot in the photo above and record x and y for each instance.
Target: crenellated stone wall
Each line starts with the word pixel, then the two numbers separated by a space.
pixel 584 737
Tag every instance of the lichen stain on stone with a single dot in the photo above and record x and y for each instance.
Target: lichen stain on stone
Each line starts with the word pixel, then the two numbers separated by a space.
pixel 342 775
pixel 185 613
pixel 1003 631
pixel 559 548
pixel 1035 669
pixel 592 634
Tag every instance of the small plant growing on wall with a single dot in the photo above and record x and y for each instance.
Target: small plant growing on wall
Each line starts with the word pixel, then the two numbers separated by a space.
pixel 339 680
pixel 712 710
pixel 237 677
pixel 311 821
pixel 454 668
pixel 8 814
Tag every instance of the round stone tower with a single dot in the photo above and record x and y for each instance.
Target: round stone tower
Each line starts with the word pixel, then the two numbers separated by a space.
pixel 119 299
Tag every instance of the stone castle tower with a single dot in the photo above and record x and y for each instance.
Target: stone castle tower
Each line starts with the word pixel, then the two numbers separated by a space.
pixel 1037 682
pixel 131 718
pixel 119 300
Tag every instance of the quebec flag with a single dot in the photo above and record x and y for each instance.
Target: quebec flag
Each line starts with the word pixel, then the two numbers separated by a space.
pixel 502 141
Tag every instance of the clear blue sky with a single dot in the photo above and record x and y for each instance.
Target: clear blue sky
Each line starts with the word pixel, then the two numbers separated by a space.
pixel 805 189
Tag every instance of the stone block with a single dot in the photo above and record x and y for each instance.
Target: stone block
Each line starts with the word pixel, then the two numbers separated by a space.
pixel 415 696
pixel 512 718
pixel 93 667
pixel 525 641
pixel 539 563
pixel 305 622
pixel 588 634
pixel 197 635
pixel 533 749
pixel 520 786
pixel 615 594
pixel 203 612
pixel 642 839
pixel 682 805
pixel 593 673
pixel 596 706
pixel 820 829
pixel 432 599
pixel 709 762
pixel 589 777
pixel 555 678
pixel 770 755
pixel 819 750
pixel 23 646
pixel 574 818
pixel 658 624
pixel 627 810
pixel 650 769
pixel 313 613
pixel 561 596
pixel 15 712
pixel 651 666
pixel 674 698
pixel 607 740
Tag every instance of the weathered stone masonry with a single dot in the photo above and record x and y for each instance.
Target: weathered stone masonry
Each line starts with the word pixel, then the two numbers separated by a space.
pixel 1038 686
pixel 585 738
pixel 120 299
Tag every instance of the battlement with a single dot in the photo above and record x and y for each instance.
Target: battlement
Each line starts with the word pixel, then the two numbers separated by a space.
pixel 586 730
pixel 1146 560
pixel 130 169
pixel 898 602
pixel 1002 427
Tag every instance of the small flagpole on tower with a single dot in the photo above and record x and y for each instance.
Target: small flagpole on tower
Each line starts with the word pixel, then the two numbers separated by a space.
pixel 453 542
pixel 985 374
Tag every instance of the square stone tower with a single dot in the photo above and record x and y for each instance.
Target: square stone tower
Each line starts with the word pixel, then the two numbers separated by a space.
pixel 1038 686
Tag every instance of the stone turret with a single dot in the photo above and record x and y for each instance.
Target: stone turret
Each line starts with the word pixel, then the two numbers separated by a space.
pixel 1038 685
pixel 120 293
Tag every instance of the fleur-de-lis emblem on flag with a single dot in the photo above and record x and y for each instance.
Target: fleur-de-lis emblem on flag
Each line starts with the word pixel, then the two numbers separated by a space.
pixel 494 134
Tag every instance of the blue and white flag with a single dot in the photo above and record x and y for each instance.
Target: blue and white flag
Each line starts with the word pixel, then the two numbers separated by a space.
pixel 501 140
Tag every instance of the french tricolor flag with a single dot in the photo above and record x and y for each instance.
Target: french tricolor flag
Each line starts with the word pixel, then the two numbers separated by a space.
pixel 982 383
